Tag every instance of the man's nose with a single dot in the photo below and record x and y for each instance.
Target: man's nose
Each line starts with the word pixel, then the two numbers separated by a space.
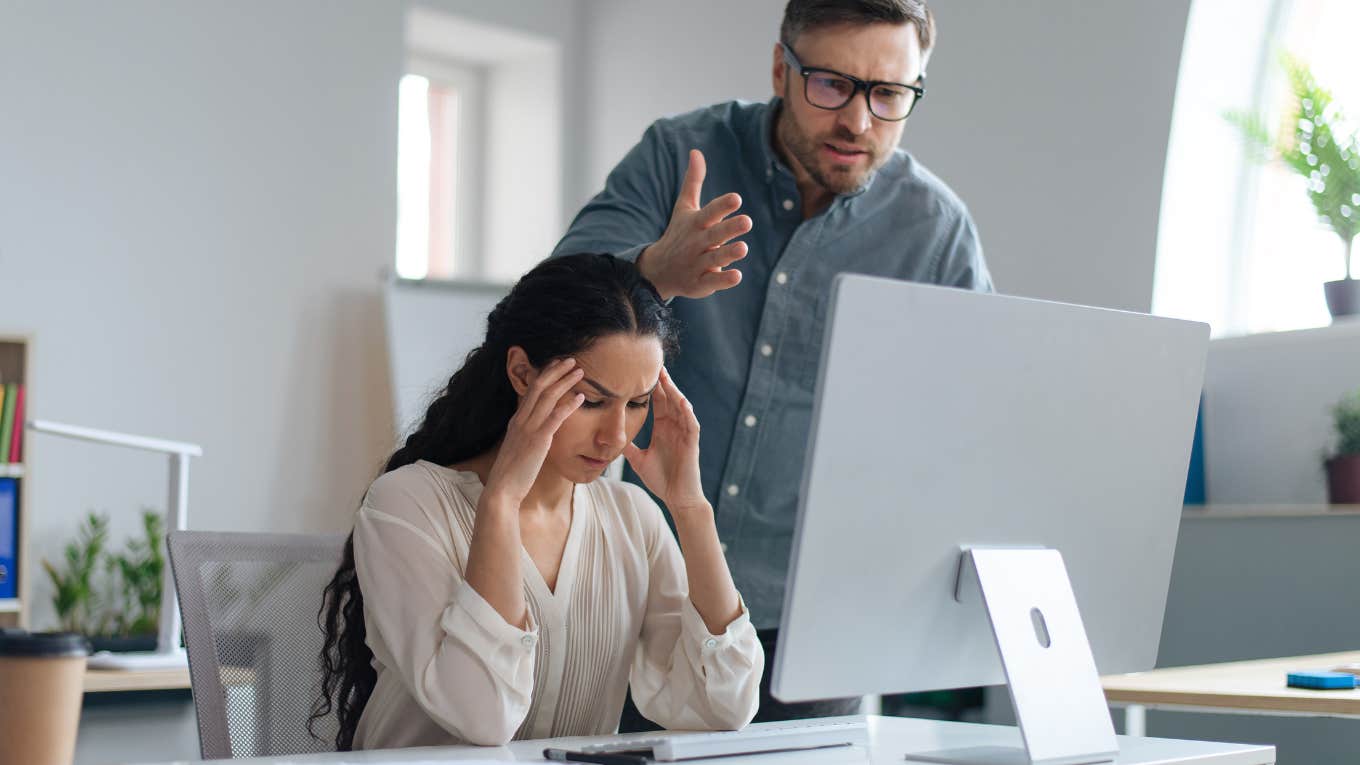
pixel 855 116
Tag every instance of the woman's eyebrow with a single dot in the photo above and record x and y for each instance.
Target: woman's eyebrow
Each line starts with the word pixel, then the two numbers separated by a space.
pixel 607 393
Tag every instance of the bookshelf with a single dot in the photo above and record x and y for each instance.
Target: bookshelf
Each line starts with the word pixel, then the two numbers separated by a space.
pixel 15 368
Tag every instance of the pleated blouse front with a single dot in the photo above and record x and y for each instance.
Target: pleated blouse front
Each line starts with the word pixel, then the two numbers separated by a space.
pixel 452 671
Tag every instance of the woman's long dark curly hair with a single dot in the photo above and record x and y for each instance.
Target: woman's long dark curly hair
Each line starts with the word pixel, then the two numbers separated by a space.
pixel 557 309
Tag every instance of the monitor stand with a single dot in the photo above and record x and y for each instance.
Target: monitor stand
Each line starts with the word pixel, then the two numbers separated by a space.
pixel 1050 672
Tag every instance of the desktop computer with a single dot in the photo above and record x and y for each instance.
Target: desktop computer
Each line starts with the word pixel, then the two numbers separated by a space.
pixel 991 495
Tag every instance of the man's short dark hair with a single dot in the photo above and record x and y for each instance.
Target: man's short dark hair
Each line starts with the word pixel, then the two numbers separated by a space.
pixel 802 15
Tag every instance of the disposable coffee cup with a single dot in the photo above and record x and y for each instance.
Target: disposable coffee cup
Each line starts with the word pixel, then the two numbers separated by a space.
pixel 42 679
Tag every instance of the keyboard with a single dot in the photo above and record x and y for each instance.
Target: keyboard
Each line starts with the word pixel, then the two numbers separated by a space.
pixel 802 734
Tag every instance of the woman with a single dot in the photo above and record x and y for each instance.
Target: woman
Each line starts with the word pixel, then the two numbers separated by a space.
pixel 496 586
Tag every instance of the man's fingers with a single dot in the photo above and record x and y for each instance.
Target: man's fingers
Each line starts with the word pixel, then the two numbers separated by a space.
pixel 718 208
pixel 731 228
pixel 694 181
pixel 717 281
pixel 726 255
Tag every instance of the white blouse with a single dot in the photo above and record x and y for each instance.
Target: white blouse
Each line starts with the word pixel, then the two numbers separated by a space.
pixel 451 670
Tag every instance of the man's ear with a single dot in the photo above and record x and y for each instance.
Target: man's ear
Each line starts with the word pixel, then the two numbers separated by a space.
pixel 520 371
pixel 780 68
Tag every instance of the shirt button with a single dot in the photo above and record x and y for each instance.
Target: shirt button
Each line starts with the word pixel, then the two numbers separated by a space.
pixel 788 204
pixel 781 278
pixel 732 490
pixel 527 641
pixel 750 421
pixel 766 349
pixel 711 643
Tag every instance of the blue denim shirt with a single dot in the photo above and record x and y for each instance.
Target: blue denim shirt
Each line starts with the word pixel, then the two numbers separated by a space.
pixel 748 355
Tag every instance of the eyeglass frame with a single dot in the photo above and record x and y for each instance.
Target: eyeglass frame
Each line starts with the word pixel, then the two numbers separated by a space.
pixel 791 59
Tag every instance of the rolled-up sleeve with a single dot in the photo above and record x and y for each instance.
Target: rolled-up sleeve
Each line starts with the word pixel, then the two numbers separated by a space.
pixel 635 206
pixel 469 670
pixel 683 677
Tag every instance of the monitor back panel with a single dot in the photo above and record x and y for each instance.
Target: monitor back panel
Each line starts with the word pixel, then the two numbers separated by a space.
pixel 947 418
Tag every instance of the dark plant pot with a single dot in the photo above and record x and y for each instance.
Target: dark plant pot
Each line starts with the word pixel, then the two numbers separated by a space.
pixel 123 644
pixel 1343 479
pixel 1343 297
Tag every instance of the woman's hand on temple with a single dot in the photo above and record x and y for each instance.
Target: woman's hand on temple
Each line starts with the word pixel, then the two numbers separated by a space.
pixel 670 464
pixel 542 410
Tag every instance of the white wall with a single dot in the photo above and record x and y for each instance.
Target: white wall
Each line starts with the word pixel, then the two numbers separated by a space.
pixel 196 201
pixel 1050 119
pixel 195 205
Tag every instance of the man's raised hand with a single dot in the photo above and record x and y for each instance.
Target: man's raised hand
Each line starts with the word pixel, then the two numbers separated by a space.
pixel 692 255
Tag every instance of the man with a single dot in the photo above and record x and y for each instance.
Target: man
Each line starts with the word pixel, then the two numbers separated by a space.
pixel 822 189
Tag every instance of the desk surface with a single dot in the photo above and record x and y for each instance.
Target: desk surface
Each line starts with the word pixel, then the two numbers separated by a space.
pixel 890 739
pixel 1242 686
pixel 104 680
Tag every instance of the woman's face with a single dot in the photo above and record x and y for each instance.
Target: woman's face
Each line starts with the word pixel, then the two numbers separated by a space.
pixel 620 372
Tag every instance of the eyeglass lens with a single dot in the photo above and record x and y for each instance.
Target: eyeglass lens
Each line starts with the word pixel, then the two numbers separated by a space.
pixel 829 91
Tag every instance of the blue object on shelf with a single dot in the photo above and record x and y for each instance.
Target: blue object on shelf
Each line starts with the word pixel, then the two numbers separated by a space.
pixel 1321 680
pixel 1195 489
pixel 9 536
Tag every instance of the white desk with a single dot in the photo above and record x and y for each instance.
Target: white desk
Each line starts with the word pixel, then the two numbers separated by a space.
pixel 890 738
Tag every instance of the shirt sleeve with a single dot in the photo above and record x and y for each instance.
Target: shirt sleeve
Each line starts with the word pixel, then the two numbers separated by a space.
pixel 468 669
pixel 961 261
pixel 635 206
pixel 683 677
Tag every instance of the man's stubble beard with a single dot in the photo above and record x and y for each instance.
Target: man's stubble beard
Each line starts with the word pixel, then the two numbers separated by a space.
pixel 805 151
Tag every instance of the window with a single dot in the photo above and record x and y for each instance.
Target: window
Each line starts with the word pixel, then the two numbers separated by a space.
pixel 1240 245
pixel 438 172
pixel 479 179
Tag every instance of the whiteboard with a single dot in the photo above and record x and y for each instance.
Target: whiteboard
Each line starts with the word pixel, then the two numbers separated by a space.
pixel 431 327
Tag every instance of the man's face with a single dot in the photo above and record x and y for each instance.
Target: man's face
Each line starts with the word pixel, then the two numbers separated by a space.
pixel 839 150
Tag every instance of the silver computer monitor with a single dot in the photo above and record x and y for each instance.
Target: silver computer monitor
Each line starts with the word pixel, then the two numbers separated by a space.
pixel 946 419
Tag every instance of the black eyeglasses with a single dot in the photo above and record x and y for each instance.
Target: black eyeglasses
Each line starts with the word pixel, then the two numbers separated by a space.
pixel 831 90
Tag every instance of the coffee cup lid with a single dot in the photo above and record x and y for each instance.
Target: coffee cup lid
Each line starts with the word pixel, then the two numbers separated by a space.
pixel 42 644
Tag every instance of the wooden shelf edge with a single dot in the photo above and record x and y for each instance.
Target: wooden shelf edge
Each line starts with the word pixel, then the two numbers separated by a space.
pixel 1212 512
pixel 107 680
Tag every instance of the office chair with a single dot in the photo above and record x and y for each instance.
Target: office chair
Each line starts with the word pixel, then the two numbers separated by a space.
pixel 249 604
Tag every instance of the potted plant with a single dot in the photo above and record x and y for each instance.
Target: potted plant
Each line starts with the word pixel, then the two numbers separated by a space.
pixel 74 596
pixel 122 611
pixel 1343 469
pixel 138 572
pixel 1313 142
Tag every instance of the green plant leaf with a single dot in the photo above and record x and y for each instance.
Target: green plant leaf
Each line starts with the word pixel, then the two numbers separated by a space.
pixel 1312 143
pixel 1346 418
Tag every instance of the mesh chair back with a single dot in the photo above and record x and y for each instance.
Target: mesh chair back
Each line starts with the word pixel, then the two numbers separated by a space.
pixel 249 603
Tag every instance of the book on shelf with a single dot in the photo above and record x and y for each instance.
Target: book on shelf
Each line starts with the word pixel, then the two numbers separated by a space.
pixel 9 536
pixel 16 438
pixel 11 421
pixel 7 419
